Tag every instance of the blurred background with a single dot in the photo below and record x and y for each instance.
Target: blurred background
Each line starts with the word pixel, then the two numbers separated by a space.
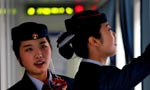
pixel 130 19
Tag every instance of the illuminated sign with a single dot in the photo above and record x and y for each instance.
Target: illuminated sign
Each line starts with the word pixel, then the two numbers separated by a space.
pixel 4 11
pixel 54 10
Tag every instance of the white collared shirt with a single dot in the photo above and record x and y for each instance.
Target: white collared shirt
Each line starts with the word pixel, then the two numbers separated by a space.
pixel 92 61
pixel 38 83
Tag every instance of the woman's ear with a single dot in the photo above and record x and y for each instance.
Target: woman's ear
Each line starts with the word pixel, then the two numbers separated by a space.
pixel 93 41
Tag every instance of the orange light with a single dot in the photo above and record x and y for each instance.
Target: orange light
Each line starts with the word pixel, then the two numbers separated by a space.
pixel 78 8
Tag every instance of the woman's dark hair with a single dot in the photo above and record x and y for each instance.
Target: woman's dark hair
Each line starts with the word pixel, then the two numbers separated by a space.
pixel 82 25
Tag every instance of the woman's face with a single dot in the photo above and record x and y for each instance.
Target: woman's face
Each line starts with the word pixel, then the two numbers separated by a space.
pixel 35 55
pixel 108 40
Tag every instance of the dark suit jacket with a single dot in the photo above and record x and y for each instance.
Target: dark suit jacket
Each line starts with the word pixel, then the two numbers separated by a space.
pixel 94 77
pixel 27 84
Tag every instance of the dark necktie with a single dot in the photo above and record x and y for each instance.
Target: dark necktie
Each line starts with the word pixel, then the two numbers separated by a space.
pixel 46 86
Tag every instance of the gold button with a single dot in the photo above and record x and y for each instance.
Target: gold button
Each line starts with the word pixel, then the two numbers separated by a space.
pixel 34 35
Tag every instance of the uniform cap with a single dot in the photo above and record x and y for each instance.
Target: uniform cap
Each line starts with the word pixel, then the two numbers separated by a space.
pixel 85 20
pixel 29 31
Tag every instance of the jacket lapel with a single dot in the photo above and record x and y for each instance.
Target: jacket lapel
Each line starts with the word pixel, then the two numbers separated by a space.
pixel 27 83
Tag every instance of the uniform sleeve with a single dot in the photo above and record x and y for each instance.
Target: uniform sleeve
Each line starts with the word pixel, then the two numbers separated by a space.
pixel 132 74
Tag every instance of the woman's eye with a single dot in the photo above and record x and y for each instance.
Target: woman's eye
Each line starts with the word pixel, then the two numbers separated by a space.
pixel 43 46
pixel 110 29
pixel 29 49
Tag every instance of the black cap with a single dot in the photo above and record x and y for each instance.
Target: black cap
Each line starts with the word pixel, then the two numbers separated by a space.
pixel 86 19
pixel 29 31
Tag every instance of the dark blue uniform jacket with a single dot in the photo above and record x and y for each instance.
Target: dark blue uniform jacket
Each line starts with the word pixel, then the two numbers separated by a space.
pixel 27 84
pixel 94 77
